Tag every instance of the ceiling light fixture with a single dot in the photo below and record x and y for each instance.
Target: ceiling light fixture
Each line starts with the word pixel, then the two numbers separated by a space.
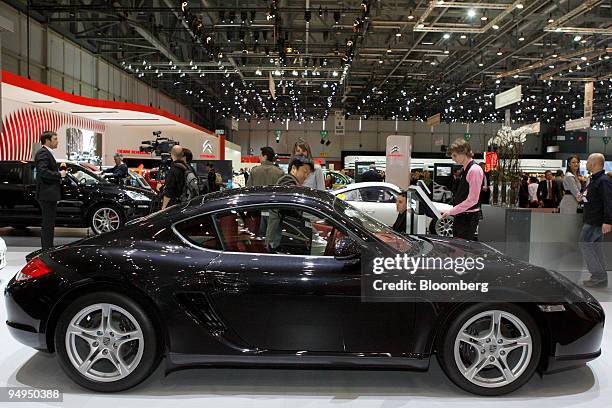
pixel 410 15
pixel 495 27
pixel 521 38
pixel 471 13
pixel 499 52
pixel 446 36
pixel 577 38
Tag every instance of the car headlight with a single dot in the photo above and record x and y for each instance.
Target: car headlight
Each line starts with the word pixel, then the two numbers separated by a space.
pixel 137 196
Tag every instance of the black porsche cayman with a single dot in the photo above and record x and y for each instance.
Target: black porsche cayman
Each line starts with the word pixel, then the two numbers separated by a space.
pixel 273 276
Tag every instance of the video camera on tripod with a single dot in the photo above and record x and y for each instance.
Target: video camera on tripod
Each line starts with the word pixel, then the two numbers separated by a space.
pixel 159 146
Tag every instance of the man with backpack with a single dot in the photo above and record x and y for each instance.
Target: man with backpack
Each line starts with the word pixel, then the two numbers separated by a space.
pixel 181 182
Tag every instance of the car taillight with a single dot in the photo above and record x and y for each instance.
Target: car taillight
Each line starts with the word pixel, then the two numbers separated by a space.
pixel 33 269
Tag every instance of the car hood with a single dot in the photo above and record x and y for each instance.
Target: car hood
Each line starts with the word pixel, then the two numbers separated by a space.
pixel 509 279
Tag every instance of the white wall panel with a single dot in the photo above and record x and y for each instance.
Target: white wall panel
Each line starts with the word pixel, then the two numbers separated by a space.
pixel 88 68
pixel 56 52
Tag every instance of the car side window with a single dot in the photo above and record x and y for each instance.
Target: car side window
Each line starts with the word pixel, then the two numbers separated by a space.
pixel 11 173
pixel 377 195
pixel 200 231
pixel 351 195
pixel 277 230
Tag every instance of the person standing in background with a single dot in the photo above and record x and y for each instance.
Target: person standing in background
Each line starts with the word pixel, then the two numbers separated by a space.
pixel 571 187
pixel 266 174
pixel 597 220
pixel 315 179
pixel 371 175
pixel 524 192
pixel 175 178
pixel 456 179
pixel 548 196
pixel 401 205
pixel 466 200
pixel 48 186
pixel 120 171
pixel 485 192
pixel 211 178
pixel 533 192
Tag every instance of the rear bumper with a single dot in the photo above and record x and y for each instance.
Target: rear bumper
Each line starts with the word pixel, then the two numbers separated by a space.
pixel 27 335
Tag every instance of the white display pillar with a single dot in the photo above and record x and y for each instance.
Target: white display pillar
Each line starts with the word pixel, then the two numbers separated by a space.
pixel 5 26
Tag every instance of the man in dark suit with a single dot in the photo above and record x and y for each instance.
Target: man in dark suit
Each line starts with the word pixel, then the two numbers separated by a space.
pixel 48 186
pixel 549 194
pixel 371 174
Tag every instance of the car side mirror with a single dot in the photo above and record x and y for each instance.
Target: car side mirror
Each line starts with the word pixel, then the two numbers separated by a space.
pixel 346 248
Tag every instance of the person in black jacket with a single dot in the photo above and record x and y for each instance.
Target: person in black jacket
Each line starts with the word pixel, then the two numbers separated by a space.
pixel 48 186
pixel 401 204
pixel 175 178
pixel 597 218
pixel 120 171
pixel 371 174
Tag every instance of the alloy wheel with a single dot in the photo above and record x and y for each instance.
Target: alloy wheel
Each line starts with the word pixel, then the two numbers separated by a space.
pixel 105 219
pixel 444 227
pixel 104 342
pixel 493 349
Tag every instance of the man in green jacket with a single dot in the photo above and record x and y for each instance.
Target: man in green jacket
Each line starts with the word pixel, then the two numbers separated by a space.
pixel 266 174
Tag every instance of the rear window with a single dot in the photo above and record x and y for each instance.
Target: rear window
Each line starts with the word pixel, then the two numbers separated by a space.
pixel 11 173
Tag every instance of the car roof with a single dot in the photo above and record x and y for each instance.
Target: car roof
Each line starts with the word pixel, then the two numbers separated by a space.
pixel 266 191
pixel 367 184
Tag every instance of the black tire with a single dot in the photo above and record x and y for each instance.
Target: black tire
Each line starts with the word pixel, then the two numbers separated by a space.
pixel 446 345
pixel 95 209
pixel 151 355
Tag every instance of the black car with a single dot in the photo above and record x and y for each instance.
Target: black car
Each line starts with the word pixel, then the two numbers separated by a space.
pixel 87 199
pixel 271 276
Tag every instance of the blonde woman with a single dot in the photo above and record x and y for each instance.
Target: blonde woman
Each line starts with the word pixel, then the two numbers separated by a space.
pixel 571 187
pixel 315 179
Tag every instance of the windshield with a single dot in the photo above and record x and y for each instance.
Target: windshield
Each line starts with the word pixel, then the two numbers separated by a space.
pixel 379 230
pixel 81 173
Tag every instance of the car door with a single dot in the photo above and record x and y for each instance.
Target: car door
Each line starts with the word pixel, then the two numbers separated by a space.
pixel 17 195
pixel 379 202
pixel 269 282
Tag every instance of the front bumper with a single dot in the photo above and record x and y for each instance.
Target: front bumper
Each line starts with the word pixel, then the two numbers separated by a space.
pixel 575 335
pixel 137 209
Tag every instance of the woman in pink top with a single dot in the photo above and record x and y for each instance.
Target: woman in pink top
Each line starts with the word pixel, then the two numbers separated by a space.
pixel 466 199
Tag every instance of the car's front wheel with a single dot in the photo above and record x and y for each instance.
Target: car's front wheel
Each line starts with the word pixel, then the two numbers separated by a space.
pixel 105 218
pixel 442 227
pixel 490 349
pixel 106 342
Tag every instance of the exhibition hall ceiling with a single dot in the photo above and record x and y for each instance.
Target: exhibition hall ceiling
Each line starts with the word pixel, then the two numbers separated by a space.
pixel 404 59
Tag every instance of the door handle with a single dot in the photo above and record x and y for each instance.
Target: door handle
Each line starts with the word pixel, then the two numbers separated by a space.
pixel 369 211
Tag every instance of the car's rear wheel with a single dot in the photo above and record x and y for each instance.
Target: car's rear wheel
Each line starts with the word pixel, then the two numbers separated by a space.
pixel 442 227
pixel 490 349
pixel 105 218
pixel 106 342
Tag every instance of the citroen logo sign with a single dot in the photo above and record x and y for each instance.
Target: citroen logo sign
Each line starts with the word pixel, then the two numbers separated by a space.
pixel 395 149
pixel 207 147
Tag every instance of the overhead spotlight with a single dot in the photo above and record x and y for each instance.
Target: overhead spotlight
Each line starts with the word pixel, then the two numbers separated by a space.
pixel 550 19
pixel 495 27
pixel 583 58
pixel 446 36
pixel 307 16
pixel 253 14
pixel 398 34
pixel 554 55
pixel 410 15
pixel 389 50
pixel 577 38
pixel 471 13
pixel 499 52
pixel 463 36
pixel 484 16
pixel 421 25
pixel 337 17
pixel 243 17
pixel 480 64
pixel 446 50
pixel 520 6
pixel 521 38
pixel 335 73
pixel 232 17
pixel 267 51
pixel 320 11
pixel 294 73
pixel 380 61
pixel 258 72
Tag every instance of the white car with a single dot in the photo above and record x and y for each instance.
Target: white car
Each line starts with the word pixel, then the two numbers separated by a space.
pixel 2 253
pixel 378 200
